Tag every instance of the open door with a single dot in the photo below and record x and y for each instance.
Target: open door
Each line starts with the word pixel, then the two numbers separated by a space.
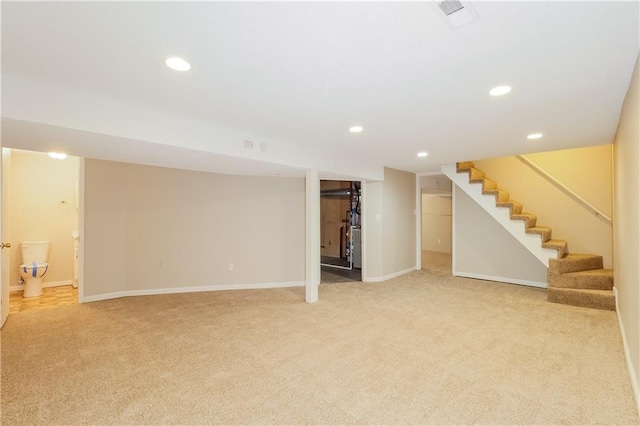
pixel 4 237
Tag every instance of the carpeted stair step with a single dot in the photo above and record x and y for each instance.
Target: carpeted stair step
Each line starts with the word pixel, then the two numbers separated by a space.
pixel 488 184
pixel 475 175
pixel 597 299
pixel 529 219
pixel 543 231
pixel 464 165
pixel 560 245
pixel 514 207
pixel 500 194
pixel 574 262
pixel 592 279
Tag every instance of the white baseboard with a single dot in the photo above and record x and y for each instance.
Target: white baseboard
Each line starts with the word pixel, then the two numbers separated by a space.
pixel 500 279
pixel 635 386
pixel 20 287
pixel 175 290
pixel 388 277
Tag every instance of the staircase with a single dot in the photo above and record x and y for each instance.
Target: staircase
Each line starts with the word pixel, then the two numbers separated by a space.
pixel 573 279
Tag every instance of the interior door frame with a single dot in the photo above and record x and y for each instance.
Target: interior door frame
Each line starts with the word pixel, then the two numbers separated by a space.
pixel 5 262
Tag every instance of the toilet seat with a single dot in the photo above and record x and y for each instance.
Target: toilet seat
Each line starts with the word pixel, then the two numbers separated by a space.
pixel 34 269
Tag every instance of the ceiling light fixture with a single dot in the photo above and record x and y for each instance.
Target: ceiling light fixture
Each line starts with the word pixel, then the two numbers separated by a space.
pixel 58 155
pixel 356 129
pixel 423 154
pixel 533 136
pixel 178 64
pixel 500 90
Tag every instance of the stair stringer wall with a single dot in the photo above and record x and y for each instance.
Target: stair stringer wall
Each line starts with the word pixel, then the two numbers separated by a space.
pixel 516 228
pixel 485 250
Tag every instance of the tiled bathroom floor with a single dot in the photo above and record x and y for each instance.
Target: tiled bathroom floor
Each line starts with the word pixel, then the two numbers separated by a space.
pixel 51 296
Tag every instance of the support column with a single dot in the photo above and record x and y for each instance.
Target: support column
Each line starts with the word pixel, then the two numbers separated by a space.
pixel 312 213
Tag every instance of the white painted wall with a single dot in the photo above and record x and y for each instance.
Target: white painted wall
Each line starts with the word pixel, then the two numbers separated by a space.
pixel 484 249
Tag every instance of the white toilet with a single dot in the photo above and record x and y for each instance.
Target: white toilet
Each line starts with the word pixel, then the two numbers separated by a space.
pixel 34 265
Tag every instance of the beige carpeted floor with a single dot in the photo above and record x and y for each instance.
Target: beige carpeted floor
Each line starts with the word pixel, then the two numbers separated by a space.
pixel 425 348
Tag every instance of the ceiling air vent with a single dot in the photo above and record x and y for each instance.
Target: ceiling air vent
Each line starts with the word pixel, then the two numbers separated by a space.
pixel 457 13
pixel 450 6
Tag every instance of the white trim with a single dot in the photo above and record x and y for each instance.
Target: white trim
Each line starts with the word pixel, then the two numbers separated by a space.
pixel 20 287
pixel 312 235
pixel 516 228
pixel 81 210
pixel 500 279
pixel 176 290
pixel 627 356
pixel 390 276
pixel 454 225
pixel 363 229
pixel 418 213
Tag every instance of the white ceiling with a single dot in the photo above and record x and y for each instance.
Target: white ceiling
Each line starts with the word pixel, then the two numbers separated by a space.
pixel 295 75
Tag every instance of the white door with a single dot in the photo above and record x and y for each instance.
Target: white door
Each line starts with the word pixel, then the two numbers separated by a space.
pixel 4 237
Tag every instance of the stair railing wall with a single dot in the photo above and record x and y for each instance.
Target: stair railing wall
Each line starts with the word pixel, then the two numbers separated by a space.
pixel 569 220
pixel 565 189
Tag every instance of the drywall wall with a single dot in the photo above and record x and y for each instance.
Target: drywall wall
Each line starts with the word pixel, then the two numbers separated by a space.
pixel 151 228
pixel 484 249
pixel 399 221
pixel 373 229
pixel 587 171
pixel 42 206
pixel 390 225
pixel 627 225
pixel 436 223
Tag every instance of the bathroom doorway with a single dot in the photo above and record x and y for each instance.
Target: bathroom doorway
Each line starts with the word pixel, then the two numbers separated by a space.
pixel 41 205
pixel 340 231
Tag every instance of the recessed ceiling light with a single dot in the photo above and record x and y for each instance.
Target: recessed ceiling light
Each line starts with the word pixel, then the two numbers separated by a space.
pixel 58 155
pixel 356 129
pixel 423 154
pixel 178 64
pixel 500 90
pixel 534 136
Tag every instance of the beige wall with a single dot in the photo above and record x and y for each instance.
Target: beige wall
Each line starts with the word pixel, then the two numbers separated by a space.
pixel 43 207
pixel 484 249
pixel 373 232
pixel 399 221
pixel 627 222
pixel 436 223
pixel 390 225
pixel 587 171
pixel 150 228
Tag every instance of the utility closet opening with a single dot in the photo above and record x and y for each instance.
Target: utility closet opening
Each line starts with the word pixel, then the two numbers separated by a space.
pixel 340 231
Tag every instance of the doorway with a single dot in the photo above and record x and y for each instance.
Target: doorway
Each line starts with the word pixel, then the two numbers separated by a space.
pixel 436 222
pixel 340 231
pixel 41 205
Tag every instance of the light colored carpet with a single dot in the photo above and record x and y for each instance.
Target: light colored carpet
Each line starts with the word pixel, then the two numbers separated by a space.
pixel 425 348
